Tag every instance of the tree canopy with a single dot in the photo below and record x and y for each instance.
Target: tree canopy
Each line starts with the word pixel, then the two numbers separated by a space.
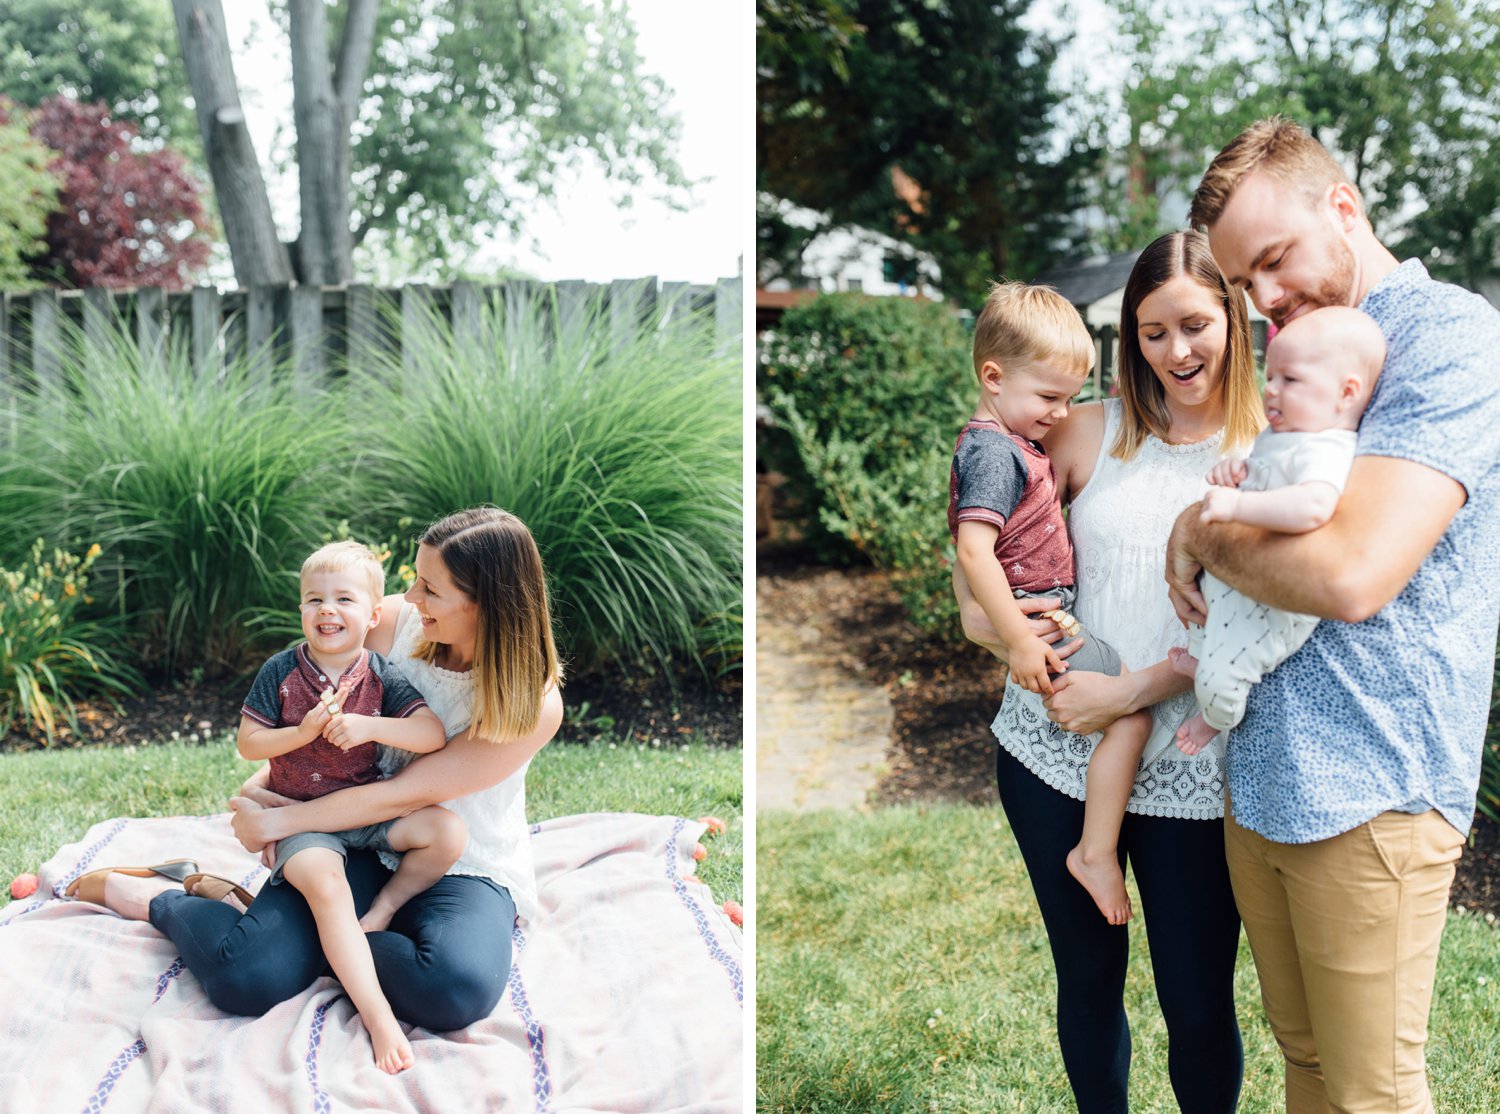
pixel 929 120
pixel 459 121
pixel 121 216
pixel 1403 94
pixel 121 52
pixel 468 119
pixel 29 195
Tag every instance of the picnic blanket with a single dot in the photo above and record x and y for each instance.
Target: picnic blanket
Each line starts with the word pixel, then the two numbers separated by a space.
pixel 626 994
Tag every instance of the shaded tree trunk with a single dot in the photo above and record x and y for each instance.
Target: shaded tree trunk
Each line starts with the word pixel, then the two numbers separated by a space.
pixel 324 106
pixel 259 256
pixel 325 102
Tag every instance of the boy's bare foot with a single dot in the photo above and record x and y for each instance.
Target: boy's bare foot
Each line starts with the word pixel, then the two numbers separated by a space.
pixel 1105 883
pixel 1182 661
pixel 392 1049
pixel 130 896
pixel 1194 735
pixel 378 919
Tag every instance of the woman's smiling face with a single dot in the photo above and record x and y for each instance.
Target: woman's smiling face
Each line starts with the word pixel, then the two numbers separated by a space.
pixel 1184 333
pixel 448 614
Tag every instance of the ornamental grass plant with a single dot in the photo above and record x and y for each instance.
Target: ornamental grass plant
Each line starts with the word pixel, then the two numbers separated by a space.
pixel 621 450
pixel 201 487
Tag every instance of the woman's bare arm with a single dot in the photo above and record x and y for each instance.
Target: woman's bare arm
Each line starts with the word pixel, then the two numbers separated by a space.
pixel 1086 702
pixel 382 636
pixel 257 787
pixel 1073 447
pixel 466 765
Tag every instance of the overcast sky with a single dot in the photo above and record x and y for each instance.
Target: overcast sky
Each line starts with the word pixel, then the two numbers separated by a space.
pixel 702 50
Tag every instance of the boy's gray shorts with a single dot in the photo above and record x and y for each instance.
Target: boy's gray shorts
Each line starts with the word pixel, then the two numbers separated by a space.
pixel 1093 656
pixel 372 837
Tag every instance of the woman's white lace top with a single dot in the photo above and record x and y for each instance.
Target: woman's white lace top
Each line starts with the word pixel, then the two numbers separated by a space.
pixel 1119 524
pixel 499 836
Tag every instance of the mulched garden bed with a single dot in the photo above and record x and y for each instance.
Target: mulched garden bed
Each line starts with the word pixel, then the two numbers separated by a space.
pixel 646 705
pixel 944 697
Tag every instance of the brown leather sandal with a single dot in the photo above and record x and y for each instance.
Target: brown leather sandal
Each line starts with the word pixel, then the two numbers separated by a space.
pixel 90 887
pixel 215 888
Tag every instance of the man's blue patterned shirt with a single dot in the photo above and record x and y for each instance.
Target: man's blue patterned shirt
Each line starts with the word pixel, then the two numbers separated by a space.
pixel 1390 713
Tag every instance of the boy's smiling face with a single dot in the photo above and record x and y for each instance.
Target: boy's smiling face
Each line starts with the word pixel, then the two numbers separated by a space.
pixel 337 611
pixel 1031 399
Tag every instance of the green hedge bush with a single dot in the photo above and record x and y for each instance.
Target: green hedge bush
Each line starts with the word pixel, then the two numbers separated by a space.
pixel 868 396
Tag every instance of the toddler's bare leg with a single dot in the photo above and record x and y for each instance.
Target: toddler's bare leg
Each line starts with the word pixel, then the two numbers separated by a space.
pixel 1194 734
pixel 1095 861
pixel 430 841
pixel 318 874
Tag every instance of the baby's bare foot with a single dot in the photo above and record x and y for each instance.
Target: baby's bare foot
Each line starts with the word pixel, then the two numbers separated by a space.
pixel 1194 735
pixel 378 919
pixel 1105 883
pixel 392 1049
pixel 1182 661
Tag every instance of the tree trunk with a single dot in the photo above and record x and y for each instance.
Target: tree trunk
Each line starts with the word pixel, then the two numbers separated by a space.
pixel 324 105
pixel 324 245
pixel 259 257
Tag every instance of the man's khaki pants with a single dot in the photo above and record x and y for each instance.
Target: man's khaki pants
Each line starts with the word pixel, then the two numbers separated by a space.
pixel 1345 934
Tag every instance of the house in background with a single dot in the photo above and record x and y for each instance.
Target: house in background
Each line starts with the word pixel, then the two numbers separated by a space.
pixel 842 259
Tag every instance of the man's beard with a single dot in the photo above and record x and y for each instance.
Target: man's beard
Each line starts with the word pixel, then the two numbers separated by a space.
pixel 1334 290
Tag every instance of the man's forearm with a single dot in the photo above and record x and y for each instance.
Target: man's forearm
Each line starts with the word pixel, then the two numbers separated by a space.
pixel 1273 568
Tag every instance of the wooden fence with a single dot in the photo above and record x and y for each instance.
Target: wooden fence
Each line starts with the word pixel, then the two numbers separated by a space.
pixel 316 329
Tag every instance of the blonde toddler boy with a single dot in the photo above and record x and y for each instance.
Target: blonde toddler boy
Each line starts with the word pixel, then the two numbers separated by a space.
pixel 317 711
pixel 1032 353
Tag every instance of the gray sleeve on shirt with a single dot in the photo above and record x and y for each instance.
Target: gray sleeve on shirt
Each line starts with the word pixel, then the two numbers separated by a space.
pixel 991 473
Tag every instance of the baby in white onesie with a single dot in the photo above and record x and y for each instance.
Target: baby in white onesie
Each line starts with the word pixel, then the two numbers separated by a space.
pixel 1320 370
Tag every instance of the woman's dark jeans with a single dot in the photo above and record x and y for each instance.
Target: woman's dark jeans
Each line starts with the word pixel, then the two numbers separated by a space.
pixel 1193 929
pixel 443 964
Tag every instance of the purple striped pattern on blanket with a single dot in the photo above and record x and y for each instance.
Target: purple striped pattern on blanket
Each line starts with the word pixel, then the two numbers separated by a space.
pixel 536 1039
pixel 100 1097
pixel 724 959
pixel 321 1102
pixel 164 980
pixel 133 1051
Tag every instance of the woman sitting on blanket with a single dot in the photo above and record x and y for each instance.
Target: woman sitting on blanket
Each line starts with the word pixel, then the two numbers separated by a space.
pixel 474 636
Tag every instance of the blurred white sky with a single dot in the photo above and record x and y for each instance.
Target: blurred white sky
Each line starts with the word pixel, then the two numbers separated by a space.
pixel 702 50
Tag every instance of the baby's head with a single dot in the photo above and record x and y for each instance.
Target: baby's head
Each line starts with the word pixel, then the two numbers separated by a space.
pixel 1320 370
pixel 342 586
pixel 1032 353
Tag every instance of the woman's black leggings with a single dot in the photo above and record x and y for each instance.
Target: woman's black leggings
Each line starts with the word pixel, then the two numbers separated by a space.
pixel 443 965
pixel 1193 929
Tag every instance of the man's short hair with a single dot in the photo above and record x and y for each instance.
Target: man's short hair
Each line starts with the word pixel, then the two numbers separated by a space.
pixel 338 556
pixel 1022 324
pixel 1280 148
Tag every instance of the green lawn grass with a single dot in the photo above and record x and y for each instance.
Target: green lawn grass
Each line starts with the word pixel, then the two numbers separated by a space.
pixel 51 797
pixel 902 966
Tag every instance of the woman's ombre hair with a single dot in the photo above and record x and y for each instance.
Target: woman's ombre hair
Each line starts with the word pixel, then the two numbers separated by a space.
pixel 493 559
pixel 1144 400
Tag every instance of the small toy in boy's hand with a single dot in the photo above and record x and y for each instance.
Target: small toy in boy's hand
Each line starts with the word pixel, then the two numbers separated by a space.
pixel 699 852
pixel 1069 625
pixel 330 701
pixel 736 914
pixel 715 825
pixel 23 885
